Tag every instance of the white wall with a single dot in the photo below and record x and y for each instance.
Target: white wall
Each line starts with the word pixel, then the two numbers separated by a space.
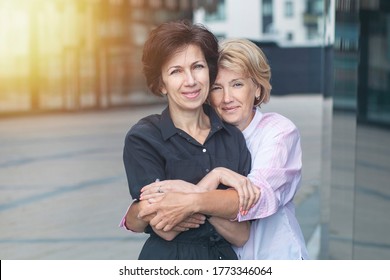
pixel 244 19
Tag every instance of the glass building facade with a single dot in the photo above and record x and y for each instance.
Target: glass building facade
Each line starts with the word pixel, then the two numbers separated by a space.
pixel 355 188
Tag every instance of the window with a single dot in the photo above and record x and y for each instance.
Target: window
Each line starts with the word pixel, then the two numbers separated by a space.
pixel 218 14
pixel 267 8
pixel 267 16
pixel 288 9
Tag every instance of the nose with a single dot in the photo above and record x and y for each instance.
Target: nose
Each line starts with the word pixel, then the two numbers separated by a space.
pixel 227 98
pixel 190 79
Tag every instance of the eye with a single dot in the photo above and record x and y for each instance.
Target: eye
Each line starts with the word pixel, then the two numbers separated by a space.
pixel 238 84
pixel 198 66
pixel 215 88
pixel 175 71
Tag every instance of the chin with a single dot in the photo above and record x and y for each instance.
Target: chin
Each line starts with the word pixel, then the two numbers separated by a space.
pixel 230 120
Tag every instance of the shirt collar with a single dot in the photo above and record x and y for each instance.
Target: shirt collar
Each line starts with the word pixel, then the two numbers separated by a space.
pixel 168 129
pixel 253 124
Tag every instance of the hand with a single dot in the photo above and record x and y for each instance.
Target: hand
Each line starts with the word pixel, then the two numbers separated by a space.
pixel 247 192
pixel 166 186
pixel 171 209
pixel 193 221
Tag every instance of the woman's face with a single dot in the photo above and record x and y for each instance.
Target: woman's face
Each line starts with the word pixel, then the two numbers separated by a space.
pixel 185 79
pixel 233 96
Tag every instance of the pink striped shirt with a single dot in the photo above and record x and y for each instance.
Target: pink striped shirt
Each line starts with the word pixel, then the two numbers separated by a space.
pixel 274 143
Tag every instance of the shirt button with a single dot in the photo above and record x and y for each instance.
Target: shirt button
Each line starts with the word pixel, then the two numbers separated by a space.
pixel 204 150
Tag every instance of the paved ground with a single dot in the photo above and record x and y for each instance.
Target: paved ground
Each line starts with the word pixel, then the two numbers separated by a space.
pixel 63 188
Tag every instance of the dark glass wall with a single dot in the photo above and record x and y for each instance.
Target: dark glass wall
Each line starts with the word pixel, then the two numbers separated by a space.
pixel 356 188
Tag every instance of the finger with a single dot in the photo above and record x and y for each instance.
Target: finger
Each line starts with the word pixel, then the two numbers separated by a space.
pixel 147 218
pixel 155 199
pixel 197 218
pixel 258 194
pixel 150 209
pixel 180 228
pixel 188 225
pixel 254 197
pixel 246 195
pixel 240 196
pixel 251 196
pixel 157 222
pixel 151 195
pixel 150 188
pixel 167 227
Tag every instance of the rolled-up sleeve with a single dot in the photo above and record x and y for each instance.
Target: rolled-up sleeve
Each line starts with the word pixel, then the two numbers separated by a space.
pixel 276 168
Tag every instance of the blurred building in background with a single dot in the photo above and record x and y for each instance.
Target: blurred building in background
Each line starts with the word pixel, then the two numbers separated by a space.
pixel 286 23
pixel 81 54
pixel 77 54
pixel 291 33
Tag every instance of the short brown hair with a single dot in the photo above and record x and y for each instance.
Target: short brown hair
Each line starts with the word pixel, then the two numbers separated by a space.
pixel 171 37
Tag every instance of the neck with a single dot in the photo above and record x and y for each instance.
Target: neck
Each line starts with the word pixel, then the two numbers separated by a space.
pixel 195 122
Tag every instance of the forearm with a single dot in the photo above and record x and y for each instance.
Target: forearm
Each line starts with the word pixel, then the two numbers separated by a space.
pixel 132 221
pixel 220 203
pixel 210 181
pixel 234 232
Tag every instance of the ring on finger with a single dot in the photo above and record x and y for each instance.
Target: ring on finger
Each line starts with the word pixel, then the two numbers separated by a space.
pixel 159 189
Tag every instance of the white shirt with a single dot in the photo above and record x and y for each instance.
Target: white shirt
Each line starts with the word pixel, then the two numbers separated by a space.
pixel 274 143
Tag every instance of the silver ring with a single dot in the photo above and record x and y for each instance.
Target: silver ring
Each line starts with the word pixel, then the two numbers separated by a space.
pixel 159 189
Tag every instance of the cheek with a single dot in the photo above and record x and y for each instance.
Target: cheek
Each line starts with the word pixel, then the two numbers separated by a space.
pixel 250 100
pixel 213 100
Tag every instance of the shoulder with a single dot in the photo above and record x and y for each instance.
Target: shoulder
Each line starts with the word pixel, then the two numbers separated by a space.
pixel 145 127
pixel 278 124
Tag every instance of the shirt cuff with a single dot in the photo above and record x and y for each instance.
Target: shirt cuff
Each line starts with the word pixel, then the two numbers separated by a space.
pixel 122 224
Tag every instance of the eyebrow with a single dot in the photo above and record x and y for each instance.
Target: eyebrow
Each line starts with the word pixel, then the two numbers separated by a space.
pixel 235 80
pixel 178 66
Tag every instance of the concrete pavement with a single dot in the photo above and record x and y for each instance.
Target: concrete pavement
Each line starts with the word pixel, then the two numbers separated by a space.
pixel 63 188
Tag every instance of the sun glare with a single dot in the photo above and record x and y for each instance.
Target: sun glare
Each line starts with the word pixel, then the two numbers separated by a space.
pixel 33 33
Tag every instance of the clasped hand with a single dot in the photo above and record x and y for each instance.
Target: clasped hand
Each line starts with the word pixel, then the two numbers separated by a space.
pixel 171 203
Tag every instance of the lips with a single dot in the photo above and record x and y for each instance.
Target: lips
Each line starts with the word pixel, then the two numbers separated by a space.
pixel 192 94
pixel 230 109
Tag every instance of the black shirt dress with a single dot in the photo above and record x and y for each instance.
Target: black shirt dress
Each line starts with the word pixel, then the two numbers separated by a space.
pixel 155 149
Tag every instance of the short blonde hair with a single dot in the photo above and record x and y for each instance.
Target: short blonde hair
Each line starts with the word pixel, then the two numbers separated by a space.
pixel 243 56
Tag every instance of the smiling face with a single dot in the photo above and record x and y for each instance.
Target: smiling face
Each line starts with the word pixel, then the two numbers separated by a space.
pixel 233 96
pixel 185 78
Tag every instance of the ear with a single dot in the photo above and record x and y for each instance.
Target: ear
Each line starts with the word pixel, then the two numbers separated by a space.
pixel 163 89
pixel 258 91
pixel 257 96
